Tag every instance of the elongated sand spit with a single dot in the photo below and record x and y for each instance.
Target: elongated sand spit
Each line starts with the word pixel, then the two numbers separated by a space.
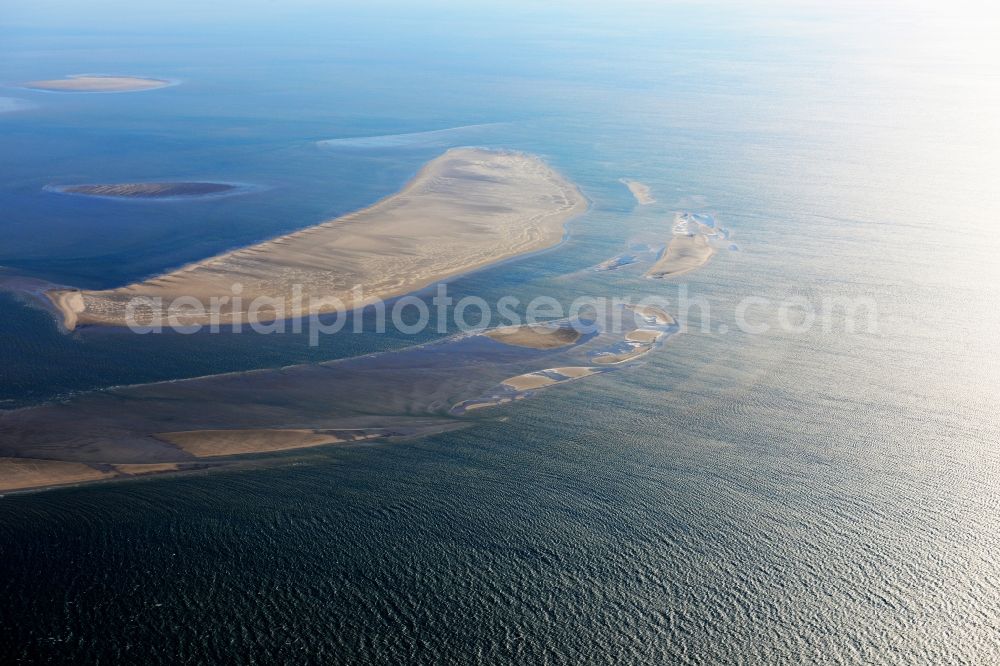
pixel 643 195
pixel 464 210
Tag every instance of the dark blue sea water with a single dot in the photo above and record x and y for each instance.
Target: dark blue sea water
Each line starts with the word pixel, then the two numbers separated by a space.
pixel 794 496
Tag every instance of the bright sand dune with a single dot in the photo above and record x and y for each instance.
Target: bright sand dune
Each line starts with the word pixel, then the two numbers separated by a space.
pixel 208 443
pixel 640 191
pixel 20 473
pixel 535 337
pixel 464 210
pixel 98 84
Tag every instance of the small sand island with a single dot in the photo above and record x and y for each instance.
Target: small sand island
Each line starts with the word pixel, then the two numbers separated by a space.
pixel 147 190
pixel 641 192
pixel 689 248
pixel 464 210
pixel 535 336
pixel 96 83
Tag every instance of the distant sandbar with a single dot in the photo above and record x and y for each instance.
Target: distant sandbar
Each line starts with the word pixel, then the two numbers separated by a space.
pixel 148 190
pixel 98 83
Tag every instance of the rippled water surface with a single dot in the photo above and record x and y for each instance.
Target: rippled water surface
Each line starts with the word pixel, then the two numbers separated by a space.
pixel 783 497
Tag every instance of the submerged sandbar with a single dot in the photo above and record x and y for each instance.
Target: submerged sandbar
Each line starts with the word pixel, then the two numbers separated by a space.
pixel 148 190
pixel 98 83
pixel 464 210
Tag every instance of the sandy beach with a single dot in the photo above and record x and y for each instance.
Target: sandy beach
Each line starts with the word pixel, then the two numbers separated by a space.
pixel 92 83
pixel 464 210
pixel 643 195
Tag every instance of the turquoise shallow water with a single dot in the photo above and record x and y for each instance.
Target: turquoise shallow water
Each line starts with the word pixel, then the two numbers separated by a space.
pixel 785 497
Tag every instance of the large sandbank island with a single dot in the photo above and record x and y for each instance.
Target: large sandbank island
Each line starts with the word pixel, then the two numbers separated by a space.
pixel 98 83
pixel 464 210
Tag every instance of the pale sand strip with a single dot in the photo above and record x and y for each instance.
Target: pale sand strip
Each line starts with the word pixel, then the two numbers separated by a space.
pixel 464 210
pixel 98 84
pixel 21 473
pixel 210 443
pixel 138 469
pixel 483 405
pixel 641 192
pixel 684 254
pixel 534 336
